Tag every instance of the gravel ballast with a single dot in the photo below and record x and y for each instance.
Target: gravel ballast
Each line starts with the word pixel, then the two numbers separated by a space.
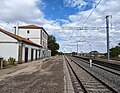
pixel 109 78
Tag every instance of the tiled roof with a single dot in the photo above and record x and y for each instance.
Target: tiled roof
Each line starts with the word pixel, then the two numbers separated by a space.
pixel 31 27
pixel 19 38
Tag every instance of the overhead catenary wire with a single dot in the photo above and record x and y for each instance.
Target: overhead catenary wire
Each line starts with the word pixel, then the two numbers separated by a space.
pixel 114 39
pixel 91 12
pixel 84 12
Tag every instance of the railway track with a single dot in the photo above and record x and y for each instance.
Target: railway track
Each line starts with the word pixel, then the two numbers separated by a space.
pixel 102 63
pixel 116 72
pixel 84 81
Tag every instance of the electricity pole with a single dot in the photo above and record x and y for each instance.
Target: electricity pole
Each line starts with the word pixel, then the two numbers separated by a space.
pixel 107 29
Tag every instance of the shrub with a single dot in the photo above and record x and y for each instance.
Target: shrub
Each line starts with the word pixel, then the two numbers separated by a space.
pixel 5 62
pixel 11 61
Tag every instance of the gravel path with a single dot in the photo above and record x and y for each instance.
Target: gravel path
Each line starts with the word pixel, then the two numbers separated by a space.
pixel 47 78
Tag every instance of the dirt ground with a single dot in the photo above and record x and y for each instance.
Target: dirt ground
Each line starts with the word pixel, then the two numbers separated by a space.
pixel 36 77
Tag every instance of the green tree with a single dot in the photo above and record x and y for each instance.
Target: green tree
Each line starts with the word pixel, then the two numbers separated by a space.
pixel 74 53
pixel 118 44
pixel 60 53
pixel 53 45
pixel 95 53
pixel 115 51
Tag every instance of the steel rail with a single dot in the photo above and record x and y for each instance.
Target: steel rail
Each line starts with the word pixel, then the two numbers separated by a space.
pixel 100 67
pixel 82 86
pixel 103 83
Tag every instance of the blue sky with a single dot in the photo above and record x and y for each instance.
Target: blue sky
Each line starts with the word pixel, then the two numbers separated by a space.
pixel 56 9
pixel 55 14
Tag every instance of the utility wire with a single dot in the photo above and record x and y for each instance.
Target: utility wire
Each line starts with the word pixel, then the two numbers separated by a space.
pixel 91 12
pixel 114 39
pixel 84 12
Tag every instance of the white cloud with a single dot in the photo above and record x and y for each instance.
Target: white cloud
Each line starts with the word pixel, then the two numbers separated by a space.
pixel 27 12
pixel 22 10
pixel 98 38
pixel 75 3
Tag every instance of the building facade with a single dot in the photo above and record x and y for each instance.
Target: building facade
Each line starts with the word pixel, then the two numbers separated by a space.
pixel 26 46
pixel 34 33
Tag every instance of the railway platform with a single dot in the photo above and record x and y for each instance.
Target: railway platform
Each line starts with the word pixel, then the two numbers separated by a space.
pixel 48 75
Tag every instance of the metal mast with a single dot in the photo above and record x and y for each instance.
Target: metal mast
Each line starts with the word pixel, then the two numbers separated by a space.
pixel 107 29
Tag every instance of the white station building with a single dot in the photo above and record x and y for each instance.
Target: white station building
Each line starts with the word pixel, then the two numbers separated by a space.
pixel 27 44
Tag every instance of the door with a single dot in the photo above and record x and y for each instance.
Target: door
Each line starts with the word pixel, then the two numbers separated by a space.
pixel 26 54
pixel 39 53
pixel 32 52
pixel 36 55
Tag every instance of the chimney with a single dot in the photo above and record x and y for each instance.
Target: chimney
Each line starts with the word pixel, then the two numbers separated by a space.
pixel 16 29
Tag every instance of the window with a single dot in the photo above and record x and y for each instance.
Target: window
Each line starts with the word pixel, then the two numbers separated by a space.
pixel 43 43
pixel 43 34
pixel 28 31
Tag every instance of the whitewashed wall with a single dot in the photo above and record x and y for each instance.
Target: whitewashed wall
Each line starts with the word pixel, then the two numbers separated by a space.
pixel 44 39
pixel 6 38
pixel 38 54
pixel 49 53
pixel 34 34
pixel 8 46
pixel 9 50
pixel 29 52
